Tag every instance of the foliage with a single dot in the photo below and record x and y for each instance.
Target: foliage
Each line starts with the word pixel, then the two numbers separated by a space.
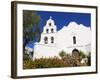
pixel 30 21
pixel 71 60
pixel 66 60
pixel 28 63
pixel 44 63
pixel 89 59
pixel 30 18
pixel 82 54
pixel 26 57
pixel 62 54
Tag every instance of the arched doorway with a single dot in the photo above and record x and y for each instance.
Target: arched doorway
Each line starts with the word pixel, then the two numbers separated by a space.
pixel 75 53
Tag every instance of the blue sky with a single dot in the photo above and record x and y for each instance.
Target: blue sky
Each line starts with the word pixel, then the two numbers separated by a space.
pixel 62 19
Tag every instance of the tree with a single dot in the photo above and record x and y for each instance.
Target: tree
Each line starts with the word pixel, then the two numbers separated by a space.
pixel 89 59
pixel 31 28
pixel 62 54
pixel 82 54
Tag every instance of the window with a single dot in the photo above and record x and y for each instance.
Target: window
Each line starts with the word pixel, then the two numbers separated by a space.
pixel 47 30
pixel 52 30
pixel 45 40
pixel 49 24
pixel 74 40
pixel 52 39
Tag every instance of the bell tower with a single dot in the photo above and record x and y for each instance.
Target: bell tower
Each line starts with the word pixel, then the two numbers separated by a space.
pixel 48 35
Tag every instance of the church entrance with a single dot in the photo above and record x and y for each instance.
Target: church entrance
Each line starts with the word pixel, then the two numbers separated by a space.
pixel 75 53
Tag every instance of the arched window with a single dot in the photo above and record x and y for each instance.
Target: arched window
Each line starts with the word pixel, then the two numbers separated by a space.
pixel 52 39
pixel 52 30
pixel 74 40
pixel 46 40
pixel 47 30
pixel 49 24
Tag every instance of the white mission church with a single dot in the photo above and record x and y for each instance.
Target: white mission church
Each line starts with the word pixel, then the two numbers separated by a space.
pixel 73 36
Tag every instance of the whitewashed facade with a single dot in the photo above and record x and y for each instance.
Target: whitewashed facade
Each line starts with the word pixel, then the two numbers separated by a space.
pixel 73 36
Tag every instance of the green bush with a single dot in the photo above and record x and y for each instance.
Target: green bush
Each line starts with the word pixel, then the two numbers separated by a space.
pixel 82 54
pixel 62 54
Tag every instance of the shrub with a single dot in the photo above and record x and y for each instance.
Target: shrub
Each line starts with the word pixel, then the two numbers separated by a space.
pixel 89 59
pixel 44 63
pixel 62 54
pixel 66 60
pixel 26 57
pixel 82 54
